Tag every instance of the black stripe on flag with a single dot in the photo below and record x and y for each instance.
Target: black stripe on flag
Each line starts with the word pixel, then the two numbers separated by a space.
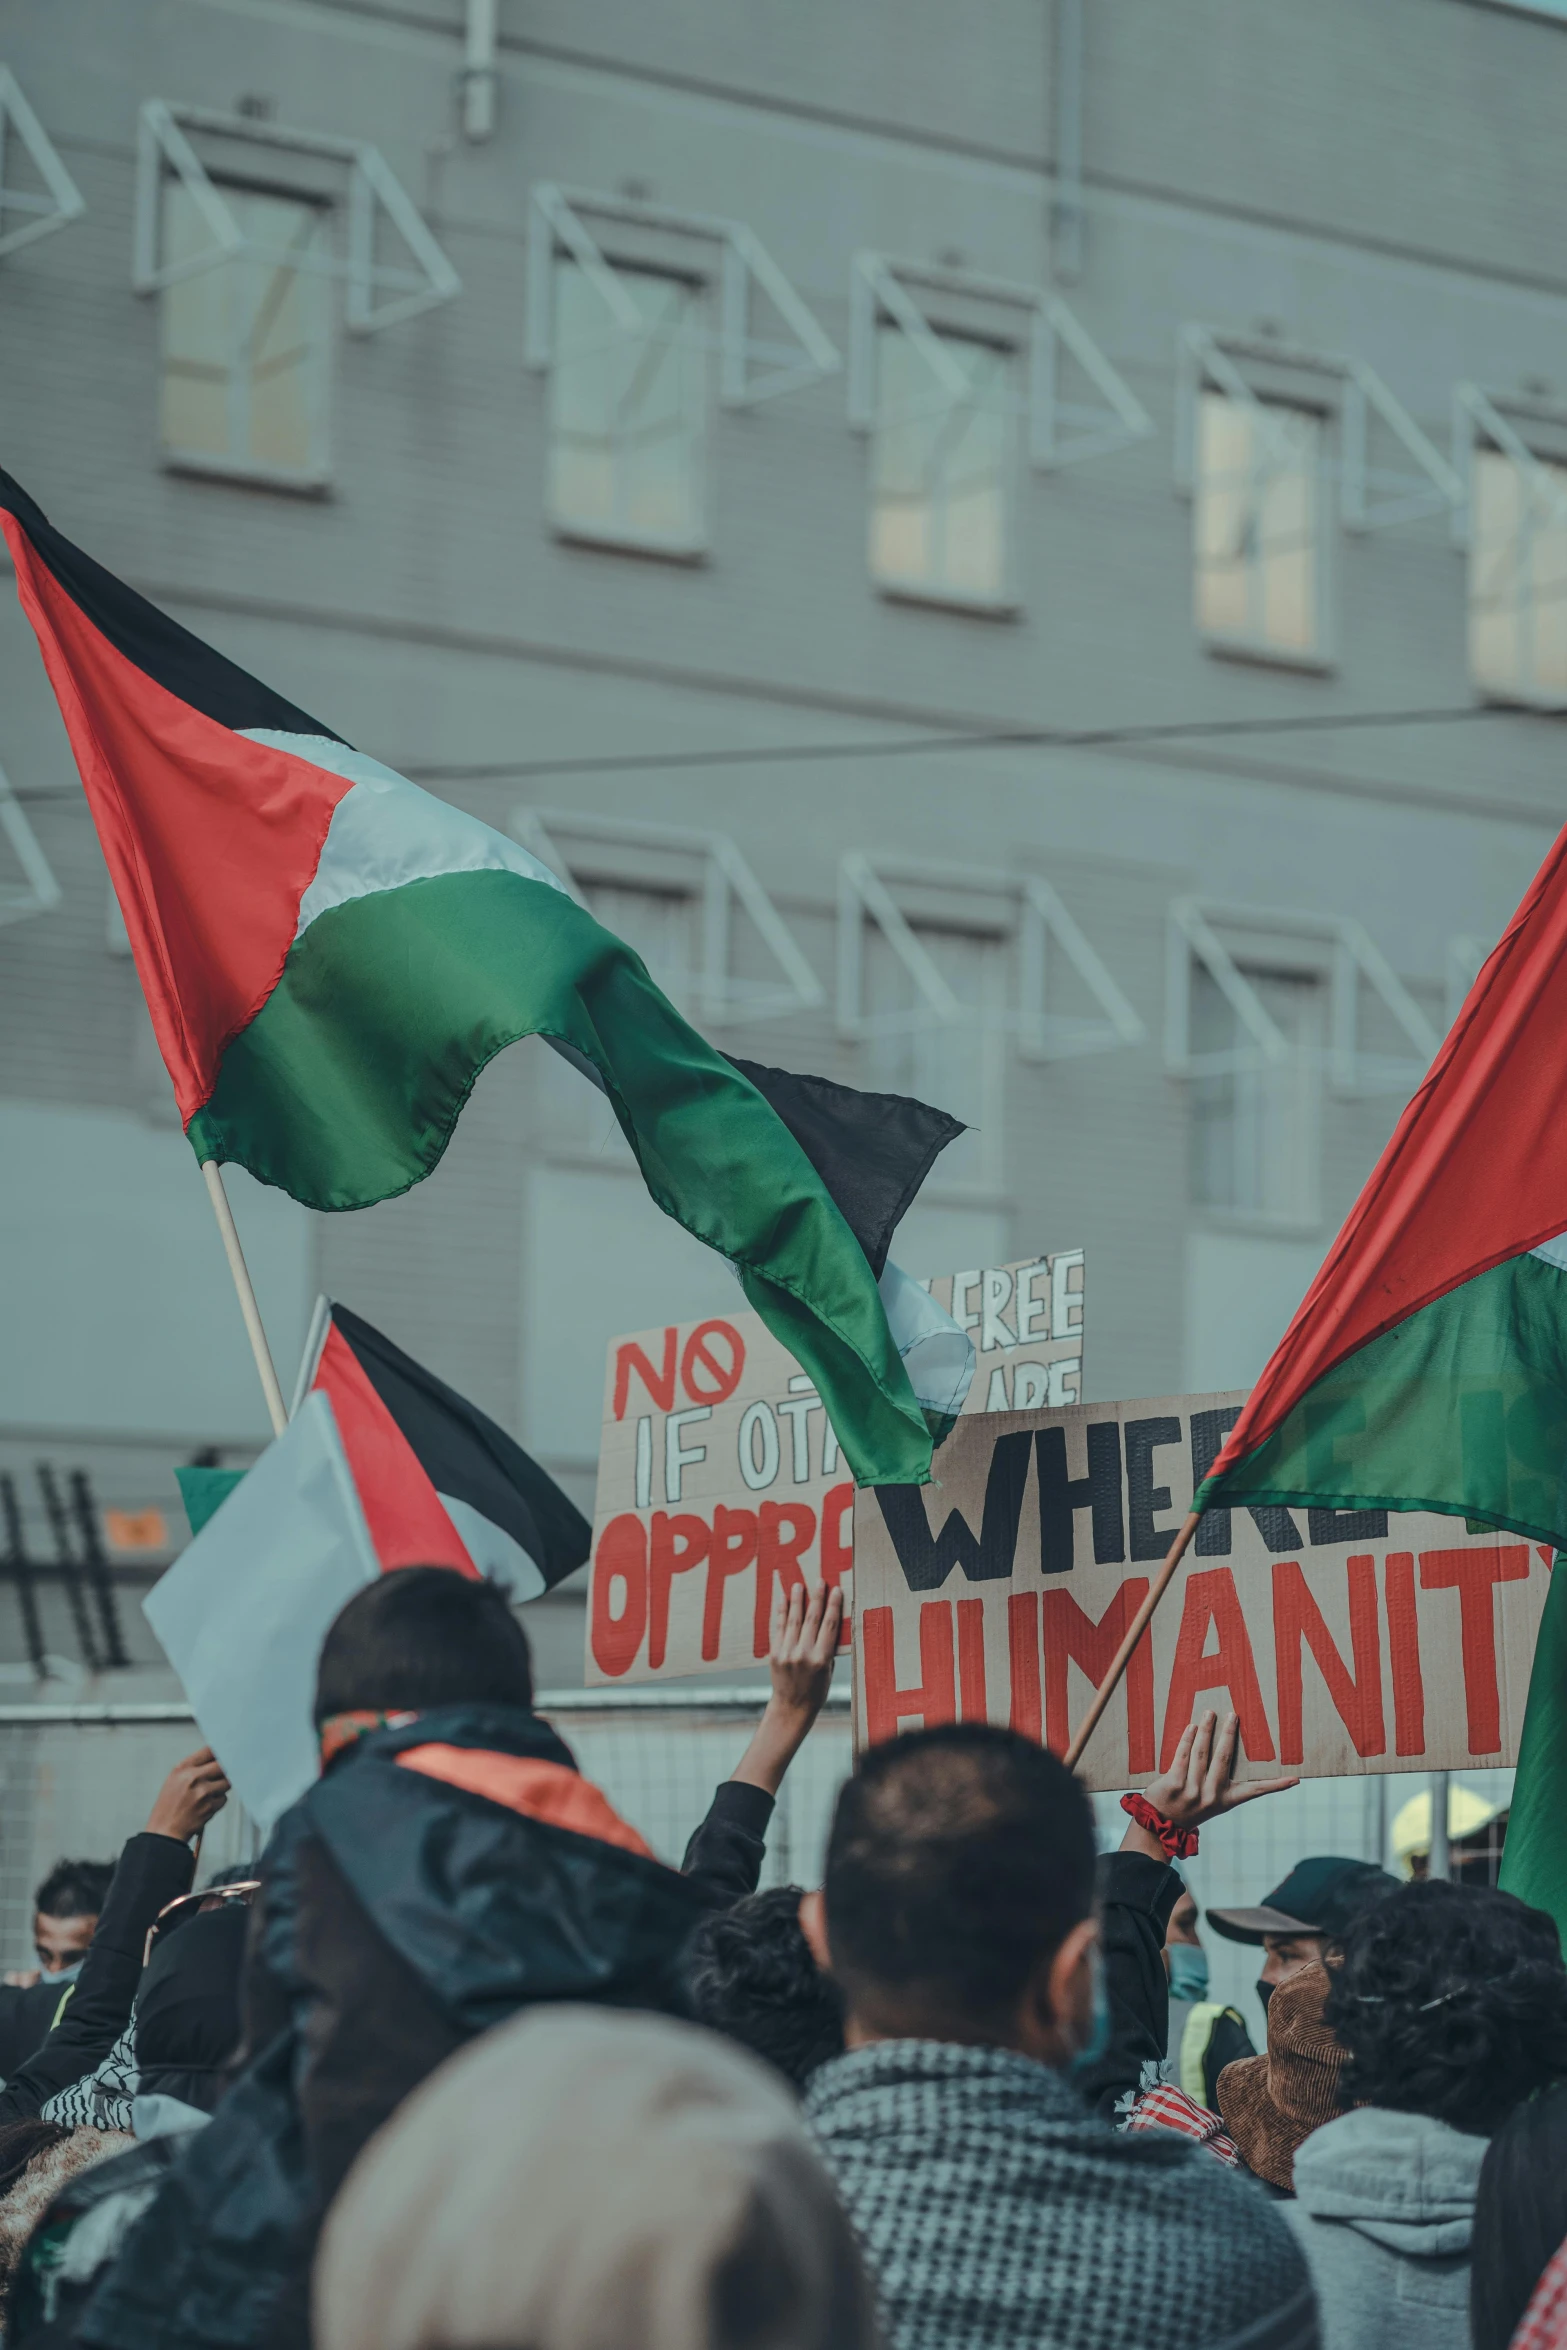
pixel 872 1150
pixel 468 1457
pixel 157 645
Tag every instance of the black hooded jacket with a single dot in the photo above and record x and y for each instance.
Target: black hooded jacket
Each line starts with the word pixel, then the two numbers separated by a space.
pixel 400 1916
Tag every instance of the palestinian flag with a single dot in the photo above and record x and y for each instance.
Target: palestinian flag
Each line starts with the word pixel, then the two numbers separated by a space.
pixel 442 1485
pixel 1427 1367
pixel 330 957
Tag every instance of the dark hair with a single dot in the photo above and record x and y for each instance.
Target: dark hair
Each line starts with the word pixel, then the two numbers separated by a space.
pixel 74 1889
pixel 1451 2001
pixel 959 1859
pixel 1520 2216
pixel 420 1637
pixel 751 1976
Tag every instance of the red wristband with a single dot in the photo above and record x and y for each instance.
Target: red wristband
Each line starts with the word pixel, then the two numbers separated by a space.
pixel 1179 1843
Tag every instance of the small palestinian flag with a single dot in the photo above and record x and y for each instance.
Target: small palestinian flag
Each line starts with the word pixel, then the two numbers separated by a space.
pixel 1427 1367
pixel 442 1485
pixel 331 956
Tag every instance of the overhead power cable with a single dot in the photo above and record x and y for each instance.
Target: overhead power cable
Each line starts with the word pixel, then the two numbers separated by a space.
pixel 922 745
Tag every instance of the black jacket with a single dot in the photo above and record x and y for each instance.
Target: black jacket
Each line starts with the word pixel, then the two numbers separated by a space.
pixel 400 1916
pixel 152 1870
pixel 1136 1896
pixel 26 2016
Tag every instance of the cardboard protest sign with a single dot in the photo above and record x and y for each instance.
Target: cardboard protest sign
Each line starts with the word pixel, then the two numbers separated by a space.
pixel 720 1479
pixel 1346 1640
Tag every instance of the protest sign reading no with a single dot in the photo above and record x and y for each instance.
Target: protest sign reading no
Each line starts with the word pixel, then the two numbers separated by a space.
pixel 720 1479
pixel 1346 1641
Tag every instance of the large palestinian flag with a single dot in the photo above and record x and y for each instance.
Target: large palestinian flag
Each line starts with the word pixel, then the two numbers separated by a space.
pixel 330 957
pixel 1427 1367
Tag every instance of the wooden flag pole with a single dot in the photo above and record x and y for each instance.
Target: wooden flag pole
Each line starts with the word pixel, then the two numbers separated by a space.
pixel 1134 1632
pixel 212 1176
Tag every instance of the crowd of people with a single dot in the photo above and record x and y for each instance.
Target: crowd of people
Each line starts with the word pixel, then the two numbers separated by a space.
pixel 465 2066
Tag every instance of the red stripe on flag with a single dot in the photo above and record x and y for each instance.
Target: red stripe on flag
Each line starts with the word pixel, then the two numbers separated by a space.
pixel 211 840
pixel 408 1522
pixel 1474 1175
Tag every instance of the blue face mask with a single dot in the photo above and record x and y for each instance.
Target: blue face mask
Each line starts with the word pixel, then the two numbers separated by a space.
pixel 1188 1970
pixel 1092 2052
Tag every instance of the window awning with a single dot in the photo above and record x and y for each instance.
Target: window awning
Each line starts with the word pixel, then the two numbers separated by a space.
pixel 379 293
pixel 28 213
pixel 704 866
pixel 1257 370
pixel 1220 937
pixel 1061 430
pixel 753 366
pixel 868 891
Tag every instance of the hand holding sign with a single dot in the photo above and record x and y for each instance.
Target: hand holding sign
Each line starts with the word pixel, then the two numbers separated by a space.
pixel 806 1634
pixel 1198 1785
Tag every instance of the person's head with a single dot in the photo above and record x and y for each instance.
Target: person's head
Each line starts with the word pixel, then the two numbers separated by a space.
pixel 958 1902
pixel 753 1976
pixel 1185 1960
pixel 1520 2216
pixel 581 2176
pixel 65 1911
pixel 1450 2000
pixel 1298 1923
pixel 1270 2104
pixel 187 2021
pixel 421 1637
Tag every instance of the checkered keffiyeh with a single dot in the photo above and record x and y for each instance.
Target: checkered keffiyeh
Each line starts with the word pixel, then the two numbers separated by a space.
pixel 1543 2325
pixel 997 2213
pixel 1167 2108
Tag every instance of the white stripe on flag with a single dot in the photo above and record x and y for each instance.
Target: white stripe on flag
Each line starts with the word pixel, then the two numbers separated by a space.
pixel 494 1551
pixel 243 1610
pixel 937 1355
pixel 386 831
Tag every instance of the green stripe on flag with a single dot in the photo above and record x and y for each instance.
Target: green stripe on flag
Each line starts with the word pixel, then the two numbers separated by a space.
pixel 1534 1857
pixel 346 1086
pixel 1461 1408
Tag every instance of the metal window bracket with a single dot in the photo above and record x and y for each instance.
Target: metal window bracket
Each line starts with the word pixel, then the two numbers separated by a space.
pixel 375 194
pixel 1477 415
pixel 1061 431
pixel 1370 497
pixel 725 881
pixel 752 367
pixel 1353 958
pixel 62 200
pixel 37 892
pixel 865 893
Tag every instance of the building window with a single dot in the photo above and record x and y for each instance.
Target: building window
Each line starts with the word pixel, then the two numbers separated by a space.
pixel 960 1066
pixel 1518 578
pixel 1259 539
pixel 1256 1124
pixel 942 466
pixel 628 412
pixel 246 341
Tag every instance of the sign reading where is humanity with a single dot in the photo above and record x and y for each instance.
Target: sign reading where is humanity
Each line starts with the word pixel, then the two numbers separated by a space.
pixel 720 1479
pixel 1345 1640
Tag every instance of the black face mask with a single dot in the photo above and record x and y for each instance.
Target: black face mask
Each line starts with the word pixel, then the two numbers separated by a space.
pixel 1264 1993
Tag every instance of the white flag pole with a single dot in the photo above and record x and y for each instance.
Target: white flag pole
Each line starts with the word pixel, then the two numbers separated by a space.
pixel 212 1176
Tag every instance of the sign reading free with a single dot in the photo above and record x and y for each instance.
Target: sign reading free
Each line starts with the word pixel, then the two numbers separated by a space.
pixel 1345 1640
pixel 720 1479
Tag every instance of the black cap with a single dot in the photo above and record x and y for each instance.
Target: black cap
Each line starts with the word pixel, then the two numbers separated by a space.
pixel 1318 1896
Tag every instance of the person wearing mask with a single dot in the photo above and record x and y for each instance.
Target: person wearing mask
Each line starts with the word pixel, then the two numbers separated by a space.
pixel 1271 2104
pixel 1205 2035
pixel 154 1869
pixel 996 2211
pixel 1520 2217
pixel 1299 1919
pixel 581 2178
pixel 65 1916
pixel 449 1867
pixel 1450 2003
